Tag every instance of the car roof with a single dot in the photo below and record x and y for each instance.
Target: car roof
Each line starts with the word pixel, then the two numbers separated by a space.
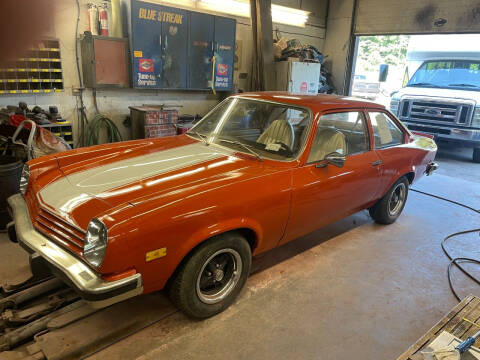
pixel 320 102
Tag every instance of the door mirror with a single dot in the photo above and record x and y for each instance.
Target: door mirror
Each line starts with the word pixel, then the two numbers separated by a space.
pixel 383 73
pixel 333 158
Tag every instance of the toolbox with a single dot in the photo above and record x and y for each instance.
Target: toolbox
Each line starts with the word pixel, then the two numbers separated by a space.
pixel 153 121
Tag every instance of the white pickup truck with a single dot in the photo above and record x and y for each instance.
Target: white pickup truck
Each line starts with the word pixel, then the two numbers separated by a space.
pixel 443 97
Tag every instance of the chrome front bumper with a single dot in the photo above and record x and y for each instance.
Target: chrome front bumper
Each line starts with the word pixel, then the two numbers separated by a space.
pixel 466 136
pixel 77 274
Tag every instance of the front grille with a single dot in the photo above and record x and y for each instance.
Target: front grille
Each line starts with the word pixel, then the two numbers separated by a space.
pixel 56 228
pixel 53 226
pixel 433 111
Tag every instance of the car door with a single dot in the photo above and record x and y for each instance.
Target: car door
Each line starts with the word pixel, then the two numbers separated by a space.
pixel 323 194
pixel 388 139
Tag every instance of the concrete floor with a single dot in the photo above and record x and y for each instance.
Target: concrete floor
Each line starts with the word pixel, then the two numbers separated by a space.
pixel 352 290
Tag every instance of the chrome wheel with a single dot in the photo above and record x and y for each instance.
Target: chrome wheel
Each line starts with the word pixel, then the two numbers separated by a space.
pixel 219 276
pixel 397 199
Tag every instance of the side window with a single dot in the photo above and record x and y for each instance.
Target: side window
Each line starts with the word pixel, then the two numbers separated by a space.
pixel 385 131
pixel 343 132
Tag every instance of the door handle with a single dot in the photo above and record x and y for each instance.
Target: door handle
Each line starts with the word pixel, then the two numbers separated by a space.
pixel 376 163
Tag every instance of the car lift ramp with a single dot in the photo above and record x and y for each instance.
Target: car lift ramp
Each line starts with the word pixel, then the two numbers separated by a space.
pixel 44 319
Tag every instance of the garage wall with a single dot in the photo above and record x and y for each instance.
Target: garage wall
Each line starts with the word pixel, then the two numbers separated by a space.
pixel 114 103
pixel 417 17
pixel 337 40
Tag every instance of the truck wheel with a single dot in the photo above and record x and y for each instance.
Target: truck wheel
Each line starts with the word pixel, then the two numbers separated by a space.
pixel 212 276
pixel 476 155
pixel 389 208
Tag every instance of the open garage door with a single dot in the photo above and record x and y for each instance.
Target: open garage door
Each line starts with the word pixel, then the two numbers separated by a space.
pixel 416 17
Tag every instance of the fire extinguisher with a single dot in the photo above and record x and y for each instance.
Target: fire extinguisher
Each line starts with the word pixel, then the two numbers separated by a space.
pixel 103 16
pixel 92 18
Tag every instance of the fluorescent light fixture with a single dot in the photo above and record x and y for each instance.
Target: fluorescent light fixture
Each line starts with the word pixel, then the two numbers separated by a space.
pixel 289 16
pixel 280 14
pixel 232 7
pixel 183 3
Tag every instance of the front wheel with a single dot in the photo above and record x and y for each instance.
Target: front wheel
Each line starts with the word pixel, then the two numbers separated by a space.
pixel 389 208
pixel 212 276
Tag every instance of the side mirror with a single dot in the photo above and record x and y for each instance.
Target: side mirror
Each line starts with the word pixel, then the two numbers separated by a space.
pixel 333 158
pixel 383 73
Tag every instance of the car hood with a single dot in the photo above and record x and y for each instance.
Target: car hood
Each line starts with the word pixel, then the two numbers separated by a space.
pixel 437 92
pixel 138 174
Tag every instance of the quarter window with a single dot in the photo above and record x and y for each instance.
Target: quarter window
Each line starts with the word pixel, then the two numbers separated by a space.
pixel 343 132
pixel 385 131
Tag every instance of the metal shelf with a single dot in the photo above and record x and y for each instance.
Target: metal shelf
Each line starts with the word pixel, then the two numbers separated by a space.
pixel 38 71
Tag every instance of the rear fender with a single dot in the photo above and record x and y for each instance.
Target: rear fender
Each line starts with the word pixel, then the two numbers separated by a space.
pixel 403 172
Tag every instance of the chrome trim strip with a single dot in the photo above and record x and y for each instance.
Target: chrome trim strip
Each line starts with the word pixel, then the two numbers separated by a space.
pixel 81 275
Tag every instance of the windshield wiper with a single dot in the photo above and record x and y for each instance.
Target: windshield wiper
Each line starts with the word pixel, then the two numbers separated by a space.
pixel 246 147
pixel 464 85
pixel 201 136
pixel 423 84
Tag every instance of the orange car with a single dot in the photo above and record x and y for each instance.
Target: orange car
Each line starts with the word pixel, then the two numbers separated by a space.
pixel 188 212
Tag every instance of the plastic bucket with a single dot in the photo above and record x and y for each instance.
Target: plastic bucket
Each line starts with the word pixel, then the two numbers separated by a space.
pixel 10 173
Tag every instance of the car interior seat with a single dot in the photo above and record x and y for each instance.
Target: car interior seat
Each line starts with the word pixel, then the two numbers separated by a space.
pixel 326 142
pixel 278 131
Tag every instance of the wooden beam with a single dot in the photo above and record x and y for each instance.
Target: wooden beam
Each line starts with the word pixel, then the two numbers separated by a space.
pixel 262 32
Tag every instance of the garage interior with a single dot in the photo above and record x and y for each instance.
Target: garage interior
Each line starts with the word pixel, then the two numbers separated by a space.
pixel 353 289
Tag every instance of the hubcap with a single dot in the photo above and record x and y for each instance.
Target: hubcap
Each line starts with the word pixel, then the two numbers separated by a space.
pixel 397 199
pixel 218 276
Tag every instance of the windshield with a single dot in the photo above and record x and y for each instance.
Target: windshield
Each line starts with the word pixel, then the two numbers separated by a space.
pixel 263 129
pixel 456 74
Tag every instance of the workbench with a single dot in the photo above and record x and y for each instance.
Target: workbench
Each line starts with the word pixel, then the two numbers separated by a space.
pixel 453 322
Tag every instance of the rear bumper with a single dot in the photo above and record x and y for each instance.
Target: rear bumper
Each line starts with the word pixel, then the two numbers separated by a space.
pixel 77 274
pixel 464 136
pixel 431 167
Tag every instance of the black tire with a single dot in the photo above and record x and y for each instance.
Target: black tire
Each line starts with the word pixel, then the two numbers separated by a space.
pixel 199 295
pixel 382 212
pixel 476 155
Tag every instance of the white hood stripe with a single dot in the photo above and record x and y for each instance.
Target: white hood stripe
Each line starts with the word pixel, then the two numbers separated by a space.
pixel 67 193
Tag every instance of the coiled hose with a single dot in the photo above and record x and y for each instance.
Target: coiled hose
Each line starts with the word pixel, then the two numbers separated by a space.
pixel 95 127
pixel 456 261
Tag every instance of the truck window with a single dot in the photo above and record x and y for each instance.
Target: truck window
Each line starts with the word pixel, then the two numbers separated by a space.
pixel 458 74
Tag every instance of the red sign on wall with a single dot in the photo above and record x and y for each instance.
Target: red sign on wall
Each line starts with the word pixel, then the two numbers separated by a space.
pixel 145 65
pixel 222 69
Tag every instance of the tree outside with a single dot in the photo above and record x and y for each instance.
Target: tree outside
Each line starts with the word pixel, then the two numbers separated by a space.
pixel 374 51
pixel 383 49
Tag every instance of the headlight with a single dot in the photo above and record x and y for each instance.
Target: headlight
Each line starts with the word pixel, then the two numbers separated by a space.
pixel 95 242
pixel 476 118
pixel 394 106
pixel 24 179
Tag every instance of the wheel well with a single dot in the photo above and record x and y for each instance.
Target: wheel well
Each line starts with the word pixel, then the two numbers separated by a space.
pixel 410 176
pixel 247 233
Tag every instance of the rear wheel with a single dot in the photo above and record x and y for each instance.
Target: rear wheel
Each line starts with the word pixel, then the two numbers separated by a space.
pixel 389 208
pixel 212 276
pixel 476 155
